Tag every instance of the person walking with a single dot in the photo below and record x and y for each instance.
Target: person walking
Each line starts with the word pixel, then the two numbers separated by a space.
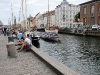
pixel 5 31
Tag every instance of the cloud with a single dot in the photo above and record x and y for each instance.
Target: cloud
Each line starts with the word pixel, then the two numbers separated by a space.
pixel 33 7
pixel 31 1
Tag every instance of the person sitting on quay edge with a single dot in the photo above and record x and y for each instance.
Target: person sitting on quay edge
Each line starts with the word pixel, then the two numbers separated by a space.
pixel 19 35
pixel 28 36
pixel 25 43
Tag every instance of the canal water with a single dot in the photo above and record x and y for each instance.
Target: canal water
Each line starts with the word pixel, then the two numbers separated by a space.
pixel 80 53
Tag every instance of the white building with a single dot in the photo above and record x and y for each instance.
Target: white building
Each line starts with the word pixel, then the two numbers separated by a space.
pixel 37 19
pixel 40 22
pixel 65 14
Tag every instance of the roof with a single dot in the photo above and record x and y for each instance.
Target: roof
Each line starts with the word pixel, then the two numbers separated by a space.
pixel 64 2
pixel 89 2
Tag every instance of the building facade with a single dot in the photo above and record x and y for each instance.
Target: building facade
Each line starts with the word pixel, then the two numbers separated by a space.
pixel 65 13
pixel 30 22
pixel 90 13
pixel 37 20
pixel 42 19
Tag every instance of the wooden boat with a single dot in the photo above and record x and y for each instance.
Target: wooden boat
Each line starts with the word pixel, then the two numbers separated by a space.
pixel 52 29
pixel 49 36
pixel 51 32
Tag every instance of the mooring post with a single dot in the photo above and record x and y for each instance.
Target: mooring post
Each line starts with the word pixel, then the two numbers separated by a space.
pixel 10 39
pixel 11 49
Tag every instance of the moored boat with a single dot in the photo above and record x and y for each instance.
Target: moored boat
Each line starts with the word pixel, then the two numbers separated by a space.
pixel 49 36
pixel 52 29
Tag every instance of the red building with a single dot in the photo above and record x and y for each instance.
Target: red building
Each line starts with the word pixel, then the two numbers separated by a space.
pixel 90 13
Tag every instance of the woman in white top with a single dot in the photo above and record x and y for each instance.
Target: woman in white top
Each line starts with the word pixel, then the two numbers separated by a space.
pixel 26 42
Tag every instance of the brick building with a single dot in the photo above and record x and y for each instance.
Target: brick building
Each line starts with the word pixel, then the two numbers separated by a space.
pixel 90 13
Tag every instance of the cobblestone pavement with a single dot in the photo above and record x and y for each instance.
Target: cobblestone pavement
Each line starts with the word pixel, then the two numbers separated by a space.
pixel 25 64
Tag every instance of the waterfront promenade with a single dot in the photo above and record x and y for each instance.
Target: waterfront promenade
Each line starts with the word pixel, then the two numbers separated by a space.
pixel 25 64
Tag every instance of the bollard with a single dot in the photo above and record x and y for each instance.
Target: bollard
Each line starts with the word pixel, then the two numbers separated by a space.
pixel 11 49
pixel 10 39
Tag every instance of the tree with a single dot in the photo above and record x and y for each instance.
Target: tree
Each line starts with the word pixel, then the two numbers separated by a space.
pixel 77 16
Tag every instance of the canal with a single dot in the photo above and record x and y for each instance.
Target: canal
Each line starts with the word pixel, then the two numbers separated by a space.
pixel 80 53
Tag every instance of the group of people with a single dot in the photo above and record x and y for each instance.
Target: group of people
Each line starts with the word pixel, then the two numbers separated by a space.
pixel 23 40
pixel 6 31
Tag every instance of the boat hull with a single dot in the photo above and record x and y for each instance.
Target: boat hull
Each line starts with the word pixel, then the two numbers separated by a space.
pixel 51 31
pixel 49 36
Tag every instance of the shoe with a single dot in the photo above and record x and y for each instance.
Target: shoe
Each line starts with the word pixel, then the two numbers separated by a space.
pixel 17 44
pixel 18 48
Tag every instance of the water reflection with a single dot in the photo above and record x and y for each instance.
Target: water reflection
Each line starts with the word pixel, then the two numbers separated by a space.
pixel 51 41
pixel 81 54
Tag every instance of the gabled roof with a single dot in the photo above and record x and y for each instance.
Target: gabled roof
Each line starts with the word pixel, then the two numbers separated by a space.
pixel 64 2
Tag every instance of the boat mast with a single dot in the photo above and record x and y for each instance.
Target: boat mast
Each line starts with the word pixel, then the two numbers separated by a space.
pixel 12 15
pixel 26 12
pixel 55 19
pixel 23 14
pixel 19 15
pixel 48 16
pixel 22 11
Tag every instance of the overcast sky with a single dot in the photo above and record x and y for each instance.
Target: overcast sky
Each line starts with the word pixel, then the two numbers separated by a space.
pixel 33 7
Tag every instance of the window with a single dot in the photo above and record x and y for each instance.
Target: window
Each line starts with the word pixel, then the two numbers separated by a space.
pixel 99 8
pixel 92 20
pixel 63 9
pixel 84 10
pixel 99 20
pixel 63 17
pixel 66 16
pixel 70 25
pixel 92 9
pixel 84 21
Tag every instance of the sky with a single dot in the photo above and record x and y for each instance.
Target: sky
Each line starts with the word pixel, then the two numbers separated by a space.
pixel 33 7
